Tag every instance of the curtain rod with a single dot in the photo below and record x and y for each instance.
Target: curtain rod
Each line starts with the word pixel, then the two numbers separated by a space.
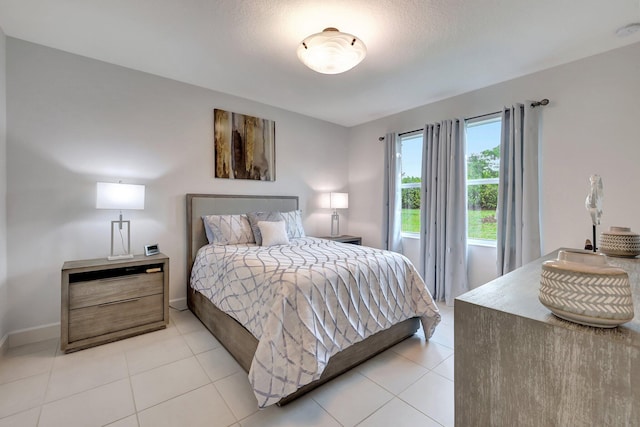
pixel 533 104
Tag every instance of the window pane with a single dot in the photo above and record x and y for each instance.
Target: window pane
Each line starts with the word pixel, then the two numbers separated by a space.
pixel 483 163
pixel 411 173
pixel 483 200
pixel 411 210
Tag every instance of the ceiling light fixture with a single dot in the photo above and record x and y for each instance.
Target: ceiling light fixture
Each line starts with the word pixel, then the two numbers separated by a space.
pixel 331 51
pixel 627 30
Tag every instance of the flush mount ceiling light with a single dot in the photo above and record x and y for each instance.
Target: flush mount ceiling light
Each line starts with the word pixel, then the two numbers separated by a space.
pixel 627 30
pixel 331 52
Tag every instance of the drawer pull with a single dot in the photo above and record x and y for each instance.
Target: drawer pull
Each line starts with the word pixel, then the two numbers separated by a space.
pixel 106 304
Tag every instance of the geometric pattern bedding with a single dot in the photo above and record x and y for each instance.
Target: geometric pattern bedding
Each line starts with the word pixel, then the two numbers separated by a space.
pixel 308 300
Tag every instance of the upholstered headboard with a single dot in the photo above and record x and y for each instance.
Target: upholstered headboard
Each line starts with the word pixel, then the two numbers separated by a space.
pixel 224 204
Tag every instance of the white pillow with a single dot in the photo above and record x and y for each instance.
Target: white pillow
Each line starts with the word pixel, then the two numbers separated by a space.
pixel 228 229
pixel 255 217
pixel 273 233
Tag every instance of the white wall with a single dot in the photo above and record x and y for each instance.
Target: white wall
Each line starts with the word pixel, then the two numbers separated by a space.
pixel 3 190
pixel 590 126
pixel 73 121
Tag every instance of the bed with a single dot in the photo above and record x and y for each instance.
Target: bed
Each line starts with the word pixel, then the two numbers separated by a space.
pixel 277 375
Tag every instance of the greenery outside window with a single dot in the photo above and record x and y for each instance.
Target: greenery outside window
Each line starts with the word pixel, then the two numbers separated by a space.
pixel 411 178
pixel 483 172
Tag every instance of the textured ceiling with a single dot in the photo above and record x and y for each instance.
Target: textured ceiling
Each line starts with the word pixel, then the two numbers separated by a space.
pixel 419 51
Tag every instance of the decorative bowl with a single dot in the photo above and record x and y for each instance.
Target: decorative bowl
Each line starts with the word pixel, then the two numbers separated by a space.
pixel 582 287
pixel 620 241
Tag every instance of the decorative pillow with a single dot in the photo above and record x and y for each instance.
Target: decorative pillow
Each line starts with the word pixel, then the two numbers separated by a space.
pixel 273 233
pixel 228 229
pixel 255 217
pixel 293 221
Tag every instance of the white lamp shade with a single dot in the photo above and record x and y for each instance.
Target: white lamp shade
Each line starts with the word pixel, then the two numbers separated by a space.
pixel 339 200
pixel 110 195
pixel 331 52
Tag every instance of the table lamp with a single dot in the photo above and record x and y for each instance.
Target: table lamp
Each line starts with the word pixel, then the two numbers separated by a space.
pixel 120 197
pixel 337 201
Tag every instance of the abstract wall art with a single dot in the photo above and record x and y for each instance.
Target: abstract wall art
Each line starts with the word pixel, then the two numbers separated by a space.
pixel 244 146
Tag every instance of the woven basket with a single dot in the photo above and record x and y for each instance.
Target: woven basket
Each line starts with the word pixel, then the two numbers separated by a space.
pixel 581 287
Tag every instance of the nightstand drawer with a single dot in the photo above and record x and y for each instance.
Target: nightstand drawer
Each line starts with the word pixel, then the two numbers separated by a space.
pixel 102 291
pixel 114 316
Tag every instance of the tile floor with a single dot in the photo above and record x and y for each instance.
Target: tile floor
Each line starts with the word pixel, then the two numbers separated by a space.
pixel 182 376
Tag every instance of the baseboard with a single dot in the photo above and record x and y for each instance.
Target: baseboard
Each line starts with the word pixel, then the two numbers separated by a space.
pixel 35 334
pixel 178 303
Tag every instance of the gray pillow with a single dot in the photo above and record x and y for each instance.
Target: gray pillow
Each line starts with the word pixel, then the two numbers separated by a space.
pixel 255 217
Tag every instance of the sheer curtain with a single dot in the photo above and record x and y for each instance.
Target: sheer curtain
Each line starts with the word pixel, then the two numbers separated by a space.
pixel 443 210
pixel 518 240
pixel 392 216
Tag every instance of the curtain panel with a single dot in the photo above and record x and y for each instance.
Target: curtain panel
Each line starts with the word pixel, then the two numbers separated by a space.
pixel 518 240
pixel 392 198
pixel 443 211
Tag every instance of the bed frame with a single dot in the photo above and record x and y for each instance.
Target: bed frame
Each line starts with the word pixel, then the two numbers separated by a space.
pixel 232 335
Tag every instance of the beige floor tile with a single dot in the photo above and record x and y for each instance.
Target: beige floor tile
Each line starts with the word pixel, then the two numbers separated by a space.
pixel 187 322
pixel 50 345
pixel 201 341
pixel 237 392
pixel 130 421
pixel 446 313
pixel 66 360
pixel 304 412
pixel 351 398
pixel 392 371
pixel 444 335
pixel 23 394
pixel 201 407
pixel 445 368
pixel 164 389
pixel 149 338
pixel 425 353
pixel 95 407
pixel 156 354
pixel 433 396
pixel 398 414
pixel 23 419
pixel 85 374
pixel 218 363
pixel 166 382
pixel 15 366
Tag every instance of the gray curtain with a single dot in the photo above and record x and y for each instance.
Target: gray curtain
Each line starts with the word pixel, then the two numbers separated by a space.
pixel 443 211
pixel 518 215
pixel 392 216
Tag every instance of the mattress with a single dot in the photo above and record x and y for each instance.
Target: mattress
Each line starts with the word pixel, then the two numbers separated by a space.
pixel 308 300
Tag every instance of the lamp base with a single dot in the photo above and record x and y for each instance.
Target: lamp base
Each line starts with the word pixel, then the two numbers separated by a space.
pixel 117 257
pixel 335 224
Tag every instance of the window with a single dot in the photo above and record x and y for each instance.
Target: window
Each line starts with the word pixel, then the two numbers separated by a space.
pixel 411 175
pixel 483 171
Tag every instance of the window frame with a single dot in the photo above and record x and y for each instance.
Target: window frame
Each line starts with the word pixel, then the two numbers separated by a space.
pixel 401 137
pixel 484 119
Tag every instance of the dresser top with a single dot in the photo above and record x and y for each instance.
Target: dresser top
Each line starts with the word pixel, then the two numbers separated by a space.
pixel 516 293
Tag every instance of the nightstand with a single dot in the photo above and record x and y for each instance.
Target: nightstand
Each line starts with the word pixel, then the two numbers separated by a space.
pixel 104 301
pixel 355 240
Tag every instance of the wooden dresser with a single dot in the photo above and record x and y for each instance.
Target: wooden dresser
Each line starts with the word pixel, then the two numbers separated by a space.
pixel 517 364
pixel 104 301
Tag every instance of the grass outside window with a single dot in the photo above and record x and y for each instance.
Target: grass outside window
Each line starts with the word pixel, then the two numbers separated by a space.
pixel 482 223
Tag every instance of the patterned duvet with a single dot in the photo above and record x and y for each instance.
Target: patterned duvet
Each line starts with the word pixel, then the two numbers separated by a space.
pixel 307 301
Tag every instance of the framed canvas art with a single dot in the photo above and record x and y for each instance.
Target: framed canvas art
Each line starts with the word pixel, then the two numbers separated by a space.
pixel 244 146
